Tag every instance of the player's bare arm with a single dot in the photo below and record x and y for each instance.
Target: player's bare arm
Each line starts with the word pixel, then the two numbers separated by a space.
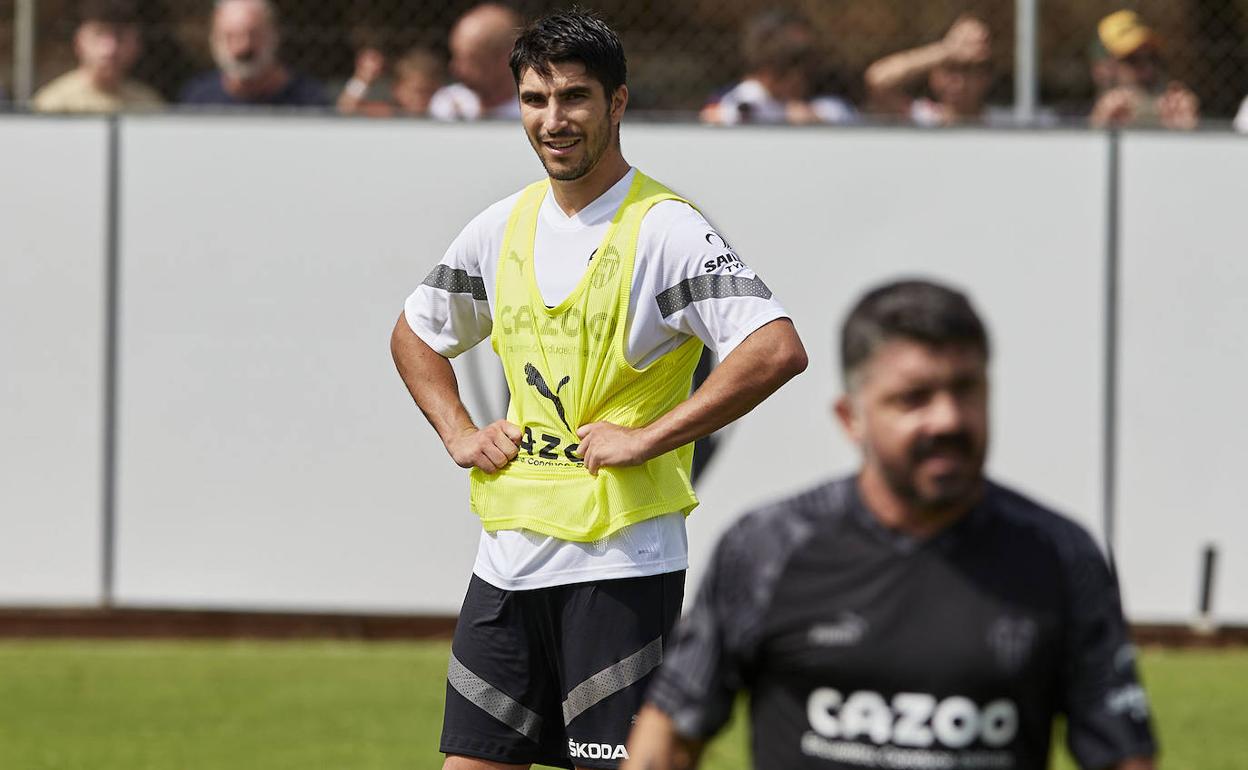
pixel 1136 763
pixel 654 744
pixel 771 356
pixel 432 383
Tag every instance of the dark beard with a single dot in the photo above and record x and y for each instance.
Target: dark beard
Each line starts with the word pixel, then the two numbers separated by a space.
pixel 902 480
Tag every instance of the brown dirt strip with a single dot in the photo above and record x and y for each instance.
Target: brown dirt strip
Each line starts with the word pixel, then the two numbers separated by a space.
pixel 116 623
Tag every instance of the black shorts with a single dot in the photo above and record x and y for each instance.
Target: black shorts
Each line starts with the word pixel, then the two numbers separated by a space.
pixel 555 676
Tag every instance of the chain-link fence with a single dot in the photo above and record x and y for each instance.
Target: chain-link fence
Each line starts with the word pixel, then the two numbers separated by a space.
pixel 682 51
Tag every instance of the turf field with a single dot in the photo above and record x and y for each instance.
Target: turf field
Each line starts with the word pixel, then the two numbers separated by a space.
pixel 307 705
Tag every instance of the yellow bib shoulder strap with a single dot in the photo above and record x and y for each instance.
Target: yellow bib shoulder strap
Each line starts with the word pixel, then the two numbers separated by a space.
pixel 566 367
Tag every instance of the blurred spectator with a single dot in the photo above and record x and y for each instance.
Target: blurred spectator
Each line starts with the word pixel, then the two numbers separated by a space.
pixel 958 69
pixel 417 77
pixel 370 64
pixel 245 42
pixel 481 43
pixel 1133 89
pixel 107 43
pixel 418 74
pixel 779 52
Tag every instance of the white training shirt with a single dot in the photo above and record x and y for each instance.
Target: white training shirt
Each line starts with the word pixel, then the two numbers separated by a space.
pixel 675 244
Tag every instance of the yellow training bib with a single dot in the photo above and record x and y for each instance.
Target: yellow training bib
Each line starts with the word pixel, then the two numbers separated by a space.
pixel 566 367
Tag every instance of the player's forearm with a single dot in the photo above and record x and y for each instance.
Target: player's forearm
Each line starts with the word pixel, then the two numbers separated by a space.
pixel 1136 763
pixel 767 359
pixel 431 381
pixel 654 744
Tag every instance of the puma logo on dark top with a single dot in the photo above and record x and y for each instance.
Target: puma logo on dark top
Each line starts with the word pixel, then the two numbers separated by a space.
pixel 533 377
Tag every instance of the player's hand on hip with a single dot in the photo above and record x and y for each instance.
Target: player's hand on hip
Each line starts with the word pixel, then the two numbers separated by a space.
pixel 605 444
pixel 489 448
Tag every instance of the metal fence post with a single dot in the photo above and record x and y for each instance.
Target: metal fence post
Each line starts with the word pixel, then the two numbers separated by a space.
pixel 23 50
pixel 112 251
pixel 1109 445
pixel 1025 61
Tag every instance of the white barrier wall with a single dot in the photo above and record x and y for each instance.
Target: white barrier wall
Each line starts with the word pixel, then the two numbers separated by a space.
pixel 822 216
pixel 1184 364
pixel 52 269
pixel 269 457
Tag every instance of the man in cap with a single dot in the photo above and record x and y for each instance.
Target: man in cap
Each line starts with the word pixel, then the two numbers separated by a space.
pixel 1129 72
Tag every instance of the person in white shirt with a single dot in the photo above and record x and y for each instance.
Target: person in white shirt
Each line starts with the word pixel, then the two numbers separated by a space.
pixel 559 636
pixel 480 43
pixel 779 51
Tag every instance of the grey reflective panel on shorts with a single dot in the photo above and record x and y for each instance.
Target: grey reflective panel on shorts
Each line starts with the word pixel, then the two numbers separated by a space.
pixel 612 679
pixel 692 290
pixel 493 701
pixel 455 281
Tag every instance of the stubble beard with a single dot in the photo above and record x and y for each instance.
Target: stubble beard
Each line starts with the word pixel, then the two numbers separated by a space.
pixel 588 161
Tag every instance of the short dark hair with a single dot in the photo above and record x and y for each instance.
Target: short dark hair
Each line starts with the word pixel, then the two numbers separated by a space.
pixel 108 11
pixel 915 310
pixel 571 36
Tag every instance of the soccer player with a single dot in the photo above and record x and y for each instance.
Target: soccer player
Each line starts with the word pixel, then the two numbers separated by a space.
pixel 598 288
pixel 915 614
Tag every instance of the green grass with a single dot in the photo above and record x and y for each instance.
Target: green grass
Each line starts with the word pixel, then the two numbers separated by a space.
pixel 180 706
pixel 272 706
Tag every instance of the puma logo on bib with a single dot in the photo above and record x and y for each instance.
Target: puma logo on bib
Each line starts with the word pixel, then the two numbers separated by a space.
pixel 533 377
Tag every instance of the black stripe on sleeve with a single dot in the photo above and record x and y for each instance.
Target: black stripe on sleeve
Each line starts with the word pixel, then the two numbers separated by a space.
pixel 455 281
pixel 692 290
